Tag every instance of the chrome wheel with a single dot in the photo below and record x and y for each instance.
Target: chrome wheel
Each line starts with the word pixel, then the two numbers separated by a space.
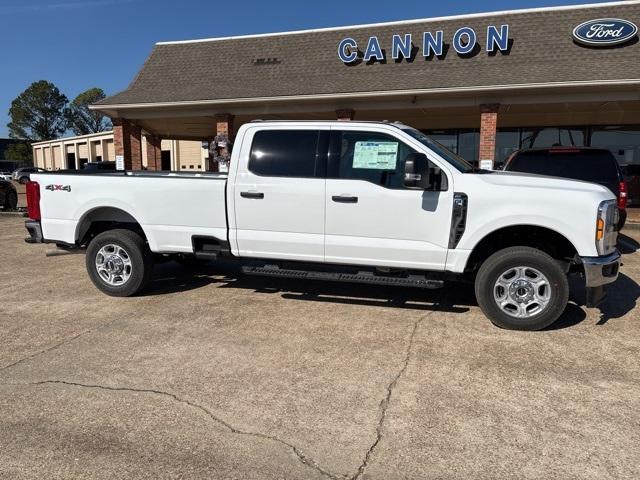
pixel 113 264
pixel 522 292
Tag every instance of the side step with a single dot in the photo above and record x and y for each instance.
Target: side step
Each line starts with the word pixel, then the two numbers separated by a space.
pixel 371 278
pixel 208 248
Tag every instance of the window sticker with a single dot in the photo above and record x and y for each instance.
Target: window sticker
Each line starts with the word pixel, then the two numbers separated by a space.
pixel 375 155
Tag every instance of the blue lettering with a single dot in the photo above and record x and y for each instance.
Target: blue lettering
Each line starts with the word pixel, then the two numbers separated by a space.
pixel 352 47
pixel 430 44
pixel 373 50
pixel 398 46
pixel 470 35
pixel 497 39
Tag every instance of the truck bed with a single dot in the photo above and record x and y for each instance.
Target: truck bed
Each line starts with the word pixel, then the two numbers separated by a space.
pixel 171 207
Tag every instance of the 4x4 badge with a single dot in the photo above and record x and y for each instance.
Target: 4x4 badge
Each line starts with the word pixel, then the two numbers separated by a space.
pixel 53 188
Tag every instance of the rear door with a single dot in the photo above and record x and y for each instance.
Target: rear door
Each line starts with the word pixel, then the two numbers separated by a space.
pixel 279 193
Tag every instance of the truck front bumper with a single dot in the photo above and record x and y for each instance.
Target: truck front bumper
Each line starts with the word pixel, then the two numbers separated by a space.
pixel 598 272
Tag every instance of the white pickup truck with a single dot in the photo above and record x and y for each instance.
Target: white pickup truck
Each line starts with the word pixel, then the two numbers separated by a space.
pixel 371 202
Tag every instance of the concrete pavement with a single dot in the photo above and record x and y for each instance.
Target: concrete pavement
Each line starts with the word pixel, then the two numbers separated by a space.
pixel 214 375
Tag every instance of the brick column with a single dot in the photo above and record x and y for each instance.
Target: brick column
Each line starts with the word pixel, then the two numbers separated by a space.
pixel 224 126
pixel 127 142
pixel 345 114
pixel 488 128
pixel 154 152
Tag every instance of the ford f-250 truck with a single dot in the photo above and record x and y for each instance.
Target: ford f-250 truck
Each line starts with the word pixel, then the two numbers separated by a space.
pixel 371 202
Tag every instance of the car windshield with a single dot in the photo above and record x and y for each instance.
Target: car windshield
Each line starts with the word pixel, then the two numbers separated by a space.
pixel 588 165
pixel 456 160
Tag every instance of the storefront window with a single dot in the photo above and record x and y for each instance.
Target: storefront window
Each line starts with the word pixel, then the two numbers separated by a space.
pixel 446 138
pixel 624 143
pixel 507 142
pixel 468 144
pixel 552 137
pixel 462 142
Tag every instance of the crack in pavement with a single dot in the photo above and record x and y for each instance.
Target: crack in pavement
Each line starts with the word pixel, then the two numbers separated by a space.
pixel 384 404
pixel 302 457
pixel 46 350
pixel 66 341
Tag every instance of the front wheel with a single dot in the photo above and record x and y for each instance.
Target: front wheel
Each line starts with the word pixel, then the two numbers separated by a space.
pixel 119 262
pixel 521 288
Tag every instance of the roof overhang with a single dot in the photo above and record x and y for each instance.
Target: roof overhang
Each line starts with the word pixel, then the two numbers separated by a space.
pixel 476 94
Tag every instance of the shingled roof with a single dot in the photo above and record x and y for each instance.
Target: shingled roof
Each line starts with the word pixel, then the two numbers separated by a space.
pixel 307 64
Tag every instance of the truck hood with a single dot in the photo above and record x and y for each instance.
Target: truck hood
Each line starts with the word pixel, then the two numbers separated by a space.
pixel 540 182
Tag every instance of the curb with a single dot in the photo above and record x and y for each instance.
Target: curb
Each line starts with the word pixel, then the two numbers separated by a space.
pixel 22 214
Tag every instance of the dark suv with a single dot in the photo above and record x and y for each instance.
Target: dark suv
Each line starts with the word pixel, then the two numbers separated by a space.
pixel 596 165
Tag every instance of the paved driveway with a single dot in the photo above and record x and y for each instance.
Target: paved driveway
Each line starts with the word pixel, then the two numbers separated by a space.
pixel 214 375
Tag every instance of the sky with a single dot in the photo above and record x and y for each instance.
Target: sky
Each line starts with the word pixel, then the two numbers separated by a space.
pixel 79 44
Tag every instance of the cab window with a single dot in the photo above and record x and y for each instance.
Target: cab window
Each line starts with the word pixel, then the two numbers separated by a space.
pixel 284 153
pixel 373 157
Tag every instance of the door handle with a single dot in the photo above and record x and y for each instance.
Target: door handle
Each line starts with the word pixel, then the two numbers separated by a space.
pixel 252 194
pixel 344 199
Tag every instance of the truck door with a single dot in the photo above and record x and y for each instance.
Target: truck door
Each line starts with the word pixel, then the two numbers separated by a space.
pixel 371 217
pixel 279 193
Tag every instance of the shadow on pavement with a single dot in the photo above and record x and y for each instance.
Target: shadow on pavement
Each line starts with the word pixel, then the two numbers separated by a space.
pixel 171 277
pixel 627 245
pixel 622 297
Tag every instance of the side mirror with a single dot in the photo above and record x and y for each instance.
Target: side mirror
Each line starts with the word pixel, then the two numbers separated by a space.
pixel 416 171
pixel 418 174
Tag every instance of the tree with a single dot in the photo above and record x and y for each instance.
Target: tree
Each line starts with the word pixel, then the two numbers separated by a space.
pixel 38 113
pixel 19 152
pixel 82 120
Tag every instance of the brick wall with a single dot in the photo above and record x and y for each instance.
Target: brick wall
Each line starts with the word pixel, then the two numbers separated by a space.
pixel 128 143
pixel 154 152
pixel 488 127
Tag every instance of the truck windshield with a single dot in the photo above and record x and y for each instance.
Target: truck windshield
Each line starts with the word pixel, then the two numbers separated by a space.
pixel 456 160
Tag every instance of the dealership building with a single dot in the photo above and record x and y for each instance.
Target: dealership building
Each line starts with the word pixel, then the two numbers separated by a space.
pixel 484 85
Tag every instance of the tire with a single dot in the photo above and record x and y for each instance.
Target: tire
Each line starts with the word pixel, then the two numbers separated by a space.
pixel 11 200
pixel 504 290
pixel 126 262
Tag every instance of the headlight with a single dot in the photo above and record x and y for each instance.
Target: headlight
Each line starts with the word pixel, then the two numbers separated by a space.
pixel 606 224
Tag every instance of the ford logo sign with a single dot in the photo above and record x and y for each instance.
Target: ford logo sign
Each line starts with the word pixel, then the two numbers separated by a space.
pixel 604 32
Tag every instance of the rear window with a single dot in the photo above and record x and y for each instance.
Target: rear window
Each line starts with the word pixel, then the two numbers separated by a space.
pixel 588 165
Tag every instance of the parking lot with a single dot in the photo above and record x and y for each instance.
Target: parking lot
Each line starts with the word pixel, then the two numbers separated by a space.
pixel 214 375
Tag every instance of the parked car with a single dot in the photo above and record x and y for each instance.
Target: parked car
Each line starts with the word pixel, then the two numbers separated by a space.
pixel 5 175
pixel 632 178
pixel 597 165
pixel 22 175
pixel 8 195
pixel 370 202
pixel 99 166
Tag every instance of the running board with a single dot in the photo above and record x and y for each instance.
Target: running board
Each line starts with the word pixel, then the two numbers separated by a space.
pixel 419 281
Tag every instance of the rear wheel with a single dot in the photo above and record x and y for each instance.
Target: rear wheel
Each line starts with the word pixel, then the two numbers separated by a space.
pixel 521 288
pixel 11 200
pixel 119 262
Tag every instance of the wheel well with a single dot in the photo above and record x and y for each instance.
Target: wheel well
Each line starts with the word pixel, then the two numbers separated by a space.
pixel 102 219
pixel 549 241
